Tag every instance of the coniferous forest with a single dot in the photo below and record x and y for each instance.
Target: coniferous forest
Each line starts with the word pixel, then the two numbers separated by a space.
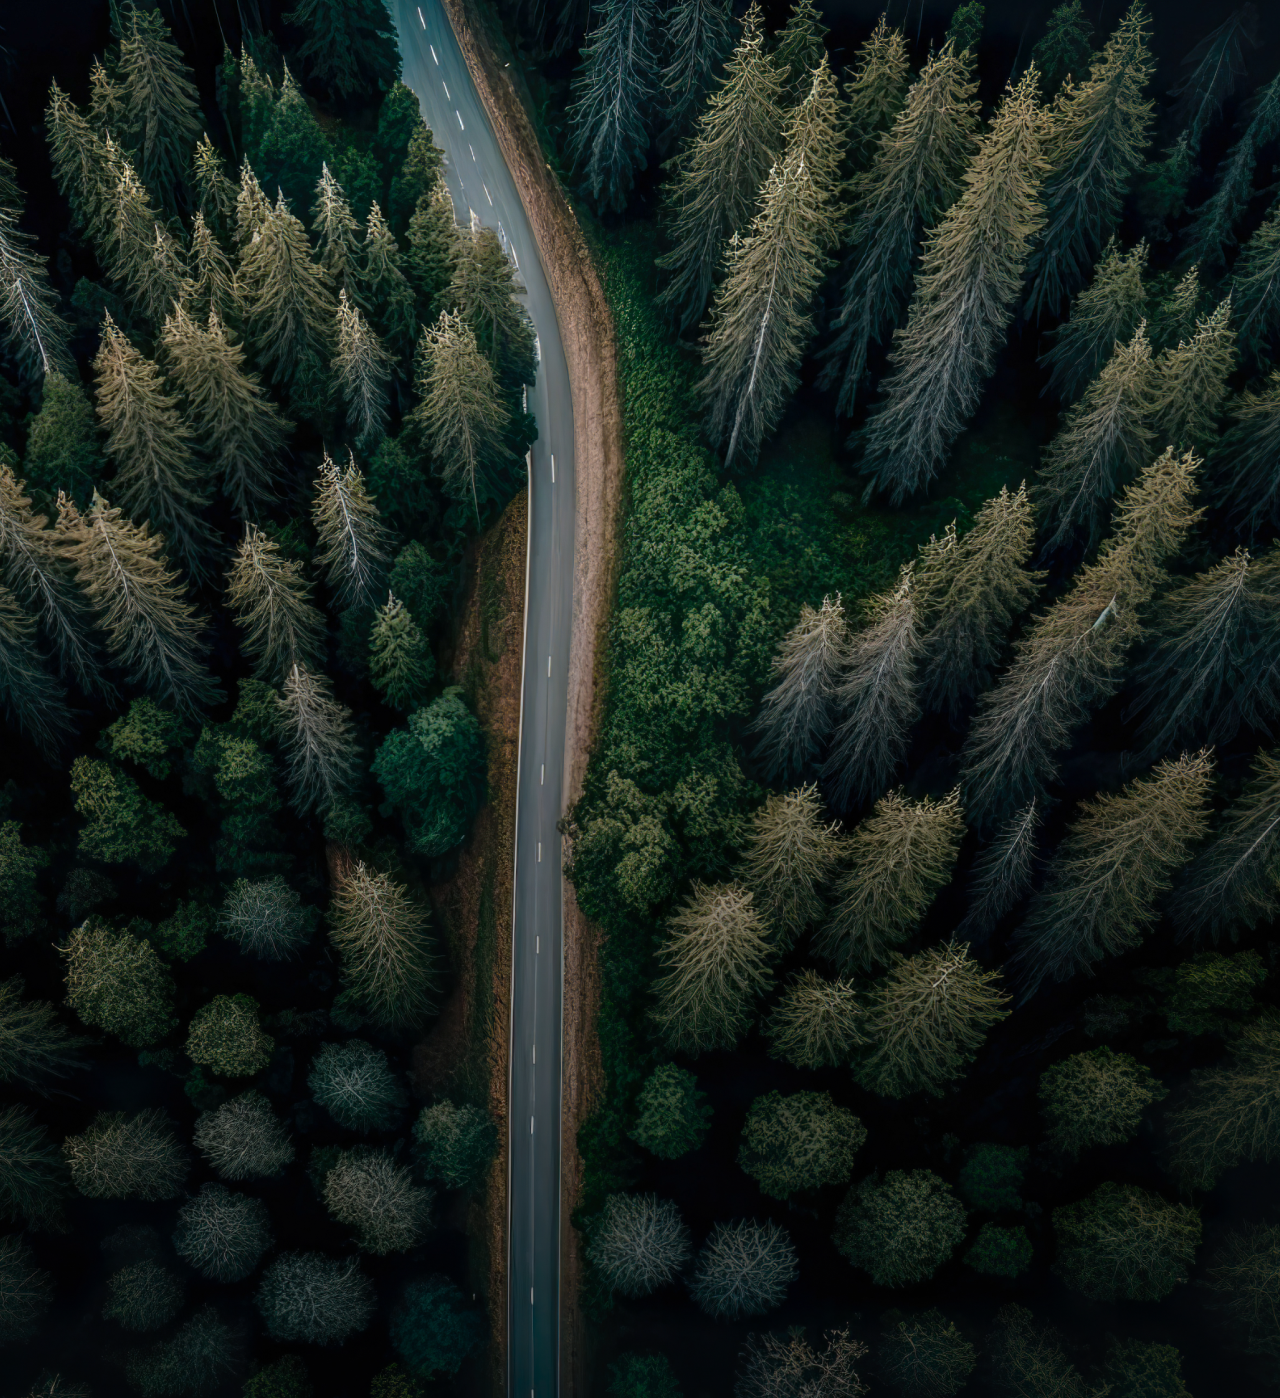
pixel 932 828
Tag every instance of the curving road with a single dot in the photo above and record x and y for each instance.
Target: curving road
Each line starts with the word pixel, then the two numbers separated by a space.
pixel 481 183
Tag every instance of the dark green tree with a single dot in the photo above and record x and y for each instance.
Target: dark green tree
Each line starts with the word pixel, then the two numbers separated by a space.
pixel 401 665
pixel 1255 293
pixel 1096 1098
pixel 799 46
pixel 350 45
pixel 33 1180
pixel 1125 1243
pixel 1190 383
pixel 1137 1369
pixel 991 1176
pixel 1066 47
pixel 900 1228
pixel 484 290
pixel 965 29
pixel 293 149
pixel 1246 465
pixel 926 1355
pixel 1210 994
pixel 120 822
pixel 32 700
pixel 146 735
pixel 797 1142
pixel 1243 1283
pixel 643 1376
pixel 433 1329
pixel 1000 1252
pixel 875 90
pixel 387 291
pixel 699 34
pixel 64 449
pixel 34 1045
pixel 161 104
pixel 432 244
pixel 673 1115
pixel 226 1038
pixel 455 1145
pixel 20 865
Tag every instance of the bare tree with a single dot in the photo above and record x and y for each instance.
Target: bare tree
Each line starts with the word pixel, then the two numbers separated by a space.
pixel 244 1139
pixel 271 602
pixel 368 1191
pixel 121 1157
pixel 1244 1280
pixel 776 1366
pixel 638 1244
pixel 789 858
pixel 744 1268
pixel 221 1234
pixel 318 741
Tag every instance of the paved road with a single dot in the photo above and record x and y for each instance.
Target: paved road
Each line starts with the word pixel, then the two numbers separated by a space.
pixel 479 180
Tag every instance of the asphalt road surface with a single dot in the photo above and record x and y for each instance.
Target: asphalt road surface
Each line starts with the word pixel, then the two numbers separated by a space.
pixel 481 183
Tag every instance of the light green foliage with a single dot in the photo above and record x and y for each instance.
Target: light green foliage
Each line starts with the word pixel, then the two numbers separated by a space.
pixel 673 1115
pixel 635 1375
pixel 244 780
pixel 433 772
pixel 25 1291
pixel 1065 48
pixel 393 1382
pixel 991 1176
pixel 33 1185
pixel 287 1377
pixel 965 29
pixel 1190 382
pixel 20 866
pixel 744 1269
pixel 797 1142
pixel 34 1046
pixel 117 983
pixel 453 1144
pixel 186 931
pixel 1245 1284
pixel 1000 1252
pixel 226 1037
pixel 901 1228
pixel 816 1024
pixel 267 919
pixel 432 1328
pixel 1109 309
pixel 145 735
pixel 366 1190
pixel 119 1157
pixel 221 1234
pixel 1125 1243
pixel 195 1361
pixel 926 1356
pixel 354 1082
pixel 243 1139
pixel 1137 1369
pixel 350 44
pixel 1096 1098
pixel 386 290
pixel 120 822
pixel 64 450
pixel 143 1296
pixel 401 664
pixel 1210 993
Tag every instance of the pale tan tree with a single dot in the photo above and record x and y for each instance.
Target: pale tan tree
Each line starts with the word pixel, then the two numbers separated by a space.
pixel 790 855
pixel 271 602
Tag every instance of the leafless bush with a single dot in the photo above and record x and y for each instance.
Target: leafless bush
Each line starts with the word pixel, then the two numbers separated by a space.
pixel 221 1234
pixel 639 1243
pixel 926 1356
pixel 127 1158
pixel 744 1268
pixel 1244 1282
pixel 307 1296
pixel 776 1366
pixel 25 1290
pixel 369 1192
pixel 143 1296
pixel 244 1139
pixel 1029 1361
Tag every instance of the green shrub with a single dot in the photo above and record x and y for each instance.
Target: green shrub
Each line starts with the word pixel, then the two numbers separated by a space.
pixel 355 1084
pixel 186 931
pixel 121 1157
pixel 19 898
pixel 120 822
pixel 1136 1369
pixel 799 1141
pixel 145 735
pixel 991 1177
pixel 221 1234
pixel 25 1291
pixel 143 1296
pixel 244 782
pixel 454 1144
pixel 422 584
pixel 1096 1098
pixel 643 1376
pixel 225 1036
pixel 901 1228
pixel 286 1378
pixel 1122 1242
pixel 117 983
pixel 1000 1252
pixel 673 1115
pixel 1211 992
pixel 432 1330
pixel 307 1296
pixel 926 1356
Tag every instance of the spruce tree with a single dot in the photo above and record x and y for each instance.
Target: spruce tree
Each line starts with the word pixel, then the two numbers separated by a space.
pixel 789 858
pixel 1219 69
pixel 253 208
pixel 238 428
pixel 362 369
pixel 389 295
pixel 914 177
pixel 1255 290
pixel 434 243
pixel 31 329
pixel 1102 444
pixel 816 1023
pixel 876 90
pixel 719 171
pixel 401 665
pixel 1177 315
pixel 350 44
pixel 483 290
pixel 107 112
pixel 699 33
pixel 141 255
pixel 982 590
pixel 1069 659
pixel 157 476
pixel 81 166
pixel 317 739
pixel 339 233
pixel 32 700
pixel 211 285
pixel 215 194
pixel 64 447
pixel 1211 663
pixel 271 602
pixel 964 295
pixel 1003 871
pixel 761 320
pixel 1106 311
pixel 162 106
pixel 352 542
pixel 293 148
pixel 797 713
pixel 1163 188
pixel 1190 382
pixel 1118 858
pixel 1247 463
pixel 1093 149
pixel 800 45
pixel 417 176
pixel 1065 48
pixel 613 93
pixel 460 410
pixel 965 29
pixel 152 631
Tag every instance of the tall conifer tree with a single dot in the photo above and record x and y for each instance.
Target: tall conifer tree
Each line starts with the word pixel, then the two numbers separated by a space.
pixel 107 112
pixel 350 44
pixel 1255 290
pixel 389 295
pixel 80 164
pixel 434 243
pixel 33 701
pixel 253 208
pixel 1191 382
pixel 318 740
pixel 31 329
pixel 484 290
pixel 271 602
pixel 1066 47
pixel 699 33
pixel 211 284
pixel 1178 314
pixel 876 90
pixel 352 549
pixel 1106 311
pixel 1247 463
pixel 339 233
pixel 801 44
pixel 162 105
pixel 140 253
pixel 363 369
pixel 215 193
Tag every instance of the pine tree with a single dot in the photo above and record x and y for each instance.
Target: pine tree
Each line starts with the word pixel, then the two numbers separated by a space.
pixel 288 304
pixel 271 602
pixel 352 547
pixel 1103 443
pixel 32 700
pixel 914 177
pixel 362 369
pixel 390 297
pixel 339 233
pixel 801 44
pixel 401 665
pixel 215 193
pixel 419 172
pixel 1191 382
pixel 699 34
pixel 1066 47
pixel 761 320
pixel 1094 147
pixel 984 587
pixel 1212 228
pixel 32 571
pixel 1212 663
pixel 816 1024
pixel 64 448
pixel 152 631
pixel 31 329
pixel 965 30
pixel 1108 310
pixel 1220 68
pixel 162 106
pixel 877 696
pixel 317 739
pixel 1247 463
pixel 613 92
pixel 238 428
pixel 460 410
pixel 107 112
pixel 80 165
pixel 1003 871
pixel 797 713
pixel 965 290
pixel 1255 290
pixel 211 285
pixel 1163 187
pixel 350 44
pixel 253 208
pixel 1069 658
pixel 719 171
pixel 141 255
pixel 483 290
pixel 1177 315
pixel 896 861
pixel 876 90
pixel 789 858
pixel 293 148
pixel 434 243
pixel 156 472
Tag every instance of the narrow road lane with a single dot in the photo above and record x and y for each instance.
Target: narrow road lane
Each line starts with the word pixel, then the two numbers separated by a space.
pixel 481 183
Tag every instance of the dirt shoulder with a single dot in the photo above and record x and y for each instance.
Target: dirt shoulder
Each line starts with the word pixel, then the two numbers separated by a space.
pixel 586 329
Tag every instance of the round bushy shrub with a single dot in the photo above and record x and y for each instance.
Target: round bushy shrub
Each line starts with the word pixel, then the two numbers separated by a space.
pixel 267 919
pixel 432 1329
pixel 1000 1252
pixel 638 1243
pixel 243 1139
pixel 116 982
pixel 137 1157
pixel 368 1191
pixel 1125 1243
pixel 672 1115
pixel 643 1376
pixel 901 1228
pixel 454 1144
pixel 1096 1098
pixel 798 1141
pixel 744 1268
pixel 221 1234
pixel 25 1290
pixel 196 1361
pixel 144 1296
pixel 226 1037
pixel 355 1084
pixel 991 1177
pixel 926 1356
pixel 308 1296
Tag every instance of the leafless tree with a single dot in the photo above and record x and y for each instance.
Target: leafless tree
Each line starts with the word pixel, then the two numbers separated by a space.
pixel 244 1139
pixel 369 1192
pixel 788 1366
pixel 744 1268
pixel 221 1234
pixel 639 1243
